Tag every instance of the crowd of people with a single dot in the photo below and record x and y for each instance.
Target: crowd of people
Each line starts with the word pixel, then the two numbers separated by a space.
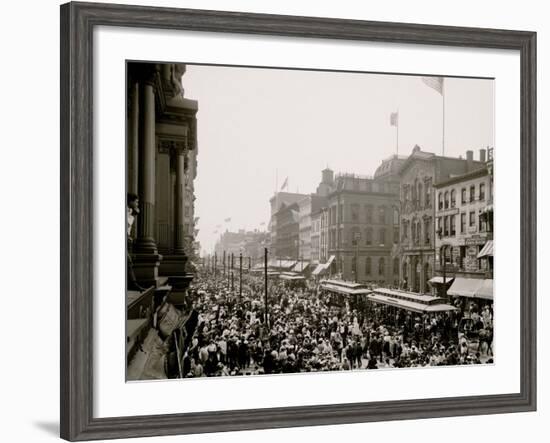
pixel 310 330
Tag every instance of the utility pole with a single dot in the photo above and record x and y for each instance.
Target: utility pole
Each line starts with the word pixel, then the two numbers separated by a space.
pixel 265 288
pixel 232 267
pixel 215 263
pixel 224 263
pixel 240 275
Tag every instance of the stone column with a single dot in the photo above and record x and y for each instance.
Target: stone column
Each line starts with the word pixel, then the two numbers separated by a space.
pixel 179 237
pixel 133 131
pixel 146 259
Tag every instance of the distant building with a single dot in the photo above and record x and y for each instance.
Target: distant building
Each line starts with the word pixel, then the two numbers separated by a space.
pixel 464 227
pixel 277 202
pixel 418 174
pixel 287 236
pixel 249 243
pixel 307 207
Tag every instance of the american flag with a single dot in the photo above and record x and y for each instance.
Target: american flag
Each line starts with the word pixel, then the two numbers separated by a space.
pixel 436 83
pixel 394 119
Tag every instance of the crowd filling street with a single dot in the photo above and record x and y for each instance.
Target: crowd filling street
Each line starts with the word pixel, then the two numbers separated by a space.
pixel 310 330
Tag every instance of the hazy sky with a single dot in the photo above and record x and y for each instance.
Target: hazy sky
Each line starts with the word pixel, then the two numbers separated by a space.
pixel 254 124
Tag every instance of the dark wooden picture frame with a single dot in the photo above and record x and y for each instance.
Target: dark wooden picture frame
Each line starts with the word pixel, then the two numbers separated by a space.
pixel 77 216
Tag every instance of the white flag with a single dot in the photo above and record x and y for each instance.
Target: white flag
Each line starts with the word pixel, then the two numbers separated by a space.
pixel 436 83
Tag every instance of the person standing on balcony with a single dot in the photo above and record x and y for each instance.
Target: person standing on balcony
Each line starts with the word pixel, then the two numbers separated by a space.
pixel 132 210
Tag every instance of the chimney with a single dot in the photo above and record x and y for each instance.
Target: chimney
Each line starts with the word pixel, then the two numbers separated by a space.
pixel 482 155
pixel 469 160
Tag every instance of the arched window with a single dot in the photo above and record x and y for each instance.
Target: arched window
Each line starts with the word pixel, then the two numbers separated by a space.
pixel 453 198
pixel 419 194
pixel 446 199
pixel 382 266
pixel 440 200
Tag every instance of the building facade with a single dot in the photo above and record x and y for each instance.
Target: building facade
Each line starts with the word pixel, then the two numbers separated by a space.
pixel 277 202
pixel 162 166
pixel 464 224
pixel 418 175
pixel 362 225
pixel 287 238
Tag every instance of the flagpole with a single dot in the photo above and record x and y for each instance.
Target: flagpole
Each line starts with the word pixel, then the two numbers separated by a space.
pixel 443 102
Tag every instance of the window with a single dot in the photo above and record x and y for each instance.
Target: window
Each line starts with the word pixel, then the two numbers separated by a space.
pixel 463 223
pixel 472 193
pixel 482 222
pixel 446 199
pixel 368 266
pixel 427 231
pixel 396 266
pixel 396 234
pixel 453 198
pixel 355 236
pixel 462 255
pixel 419 195
pixel 453 225
pixel 440 200
pixel 446 226
pixel 354 213
pixel 482 191
pixel 382 236
pixel 395 216
pixel 354 266
pixel 382 214
pixel 428 193
pixel 463 197
pixel 439 226
pixel 369 236
pixel 472 218
pixel 381 266
pixel 368 211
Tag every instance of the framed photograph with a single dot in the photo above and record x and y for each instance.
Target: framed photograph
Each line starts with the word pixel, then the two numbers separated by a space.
pixel 276 221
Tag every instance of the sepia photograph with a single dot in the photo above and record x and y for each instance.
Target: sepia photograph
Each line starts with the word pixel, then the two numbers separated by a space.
pixel 286 221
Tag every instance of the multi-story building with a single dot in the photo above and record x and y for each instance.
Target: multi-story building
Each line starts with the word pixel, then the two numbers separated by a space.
pixel 418 175
pixel 308 206
pixel 287 238
pixel 248 243
pixel 278 201
pixel 162 165
pixel 362 227
pixel 464 228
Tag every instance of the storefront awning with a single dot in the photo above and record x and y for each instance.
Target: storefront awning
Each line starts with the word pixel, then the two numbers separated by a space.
pixel 472 287
pixel 486 290
pixel 487 250
pixel 439 280
pixel 465 287
pixel 321 267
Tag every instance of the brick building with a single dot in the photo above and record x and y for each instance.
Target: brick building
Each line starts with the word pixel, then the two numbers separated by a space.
pixel 464 227
pixel 418 175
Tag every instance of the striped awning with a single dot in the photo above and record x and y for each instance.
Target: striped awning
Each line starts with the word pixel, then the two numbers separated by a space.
pixel 487 250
